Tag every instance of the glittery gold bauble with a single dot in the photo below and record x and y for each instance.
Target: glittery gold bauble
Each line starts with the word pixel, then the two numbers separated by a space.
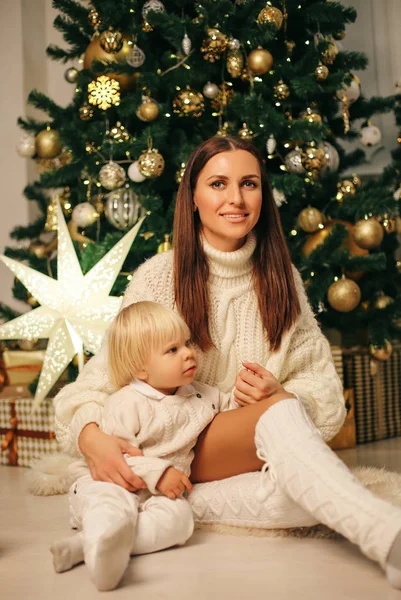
pixel 223 98
pixel 38 248
pixel 111 41
pixel 313 158
pixel 118 133
pixel 310 219
pixel 383 301
pixel 381 353
pixel 389 224
pixel 180 173
pixel 65 201
pixel 46 165
pixel 270 14
pixel 95 52
pixel 214 45
pixel 112 176
pixel 148 110
pixel 51 215
pixel 260 61
pixel 94 18
pixel 318 238
pixel 356 180
pixel 344 295
pixel 321 72
pixel 47 143
pixel 245 133
pixel 368 233
pixel 86 112
pixel 235 63
pixel 281 90
pixel 188 103
pixel 345 189
pixel 329 55
pixel 312 116
pixel 151 163
pixel 164 246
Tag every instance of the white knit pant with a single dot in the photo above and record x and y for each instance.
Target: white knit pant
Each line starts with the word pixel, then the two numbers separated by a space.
pixel 158 521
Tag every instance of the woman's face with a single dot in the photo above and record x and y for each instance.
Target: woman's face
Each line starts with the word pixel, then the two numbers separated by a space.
pixel 228 196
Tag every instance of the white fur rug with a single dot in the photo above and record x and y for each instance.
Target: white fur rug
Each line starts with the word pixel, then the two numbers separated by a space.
pixel 49 476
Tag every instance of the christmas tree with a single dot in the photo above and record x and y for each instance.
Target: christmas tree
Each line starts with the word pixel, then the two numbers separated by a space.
pixel 156 79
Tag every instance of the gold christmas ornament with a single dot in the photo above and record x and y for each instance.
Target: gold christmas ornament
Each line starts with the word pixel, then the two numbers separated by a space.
pixel 151 163
pixel 310 219
pixel 260 61
pixel 319 237
pixel 344 295
pixel 112 176
pixel 166 245
pixel 381 353
pixel 321 72
pixel 118 133
pixel 71 75
pixel 223 98
pixel 214 45
pixel 47 143
pixel 180 173
pixel 313 159
pixel 94 18
pixel 148 110
pixel 86 112
pixel 188 103
pixel 281 90
pixel 235 63
pixel 223 130
pixel 368 233
pixel 339 35
pixel 389 224
pixel 330 54
pixel 51 215
pixel 38 248
pixel 383 301
pixel 95 52
pixel 111 41
pixel 290 46
pixel 104 92
pixel 312 116
pixel 345 189
pixel 270 14
pixel 245 133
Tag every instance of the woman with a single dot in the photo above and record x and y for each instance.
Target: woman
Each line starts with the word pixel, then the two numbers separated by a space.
pixel 231 278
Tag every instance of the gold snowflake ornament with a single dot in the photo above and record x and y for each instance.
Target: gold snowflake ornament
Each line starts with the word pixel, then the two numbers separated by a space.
pixel 104 92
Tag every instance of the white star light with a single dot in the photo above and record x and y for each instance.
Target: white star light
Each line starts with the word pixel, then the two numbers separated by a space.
pixel 75 309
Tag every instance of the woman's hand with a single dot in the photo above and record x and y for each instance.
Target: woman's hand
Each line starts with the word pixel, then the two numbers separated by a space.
pixel 104 455
pixel 254 383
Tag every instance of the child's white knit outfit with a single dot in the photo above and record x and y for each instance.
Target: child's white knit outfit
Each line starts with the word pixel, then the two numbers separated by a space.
pixel 116 523
pixel 303 365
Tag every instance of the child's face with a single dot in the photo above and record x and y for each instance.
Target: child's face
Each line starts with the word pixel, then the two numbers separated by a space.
pixel 172 365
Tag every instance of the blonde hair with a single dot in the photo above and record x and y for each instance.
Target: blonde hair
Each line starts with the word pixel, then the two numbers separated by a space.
pixel 137 330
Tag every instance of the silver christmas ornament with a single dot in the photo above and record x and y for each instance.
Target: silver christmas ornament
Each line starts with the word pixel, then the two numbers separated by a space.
pixel 186 45
pixel 279 197
pixel 271 144
pixel 332 157
pixel 210 90
pixel 293 162
pixel 84 214
pixel 134 173
pixel 370 135
pixel 112 176
pixel 135 57
pixel 26 146
pixel 155 5
pixel 234 44
pixel 71 75
pixel 122 208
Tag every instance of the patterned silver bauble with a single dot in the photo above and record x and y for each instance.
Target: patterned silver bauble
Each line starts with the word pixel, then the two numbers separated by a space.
pixel 26 146
pixel 71 75
pixel 279 197
pixel 84 214
pixel 186 44
pixel 210 90
pixel 112 176
pixel 122 208
pixel 271 144
pixel 134 173
pixel 155 5
pixel 293 162
pixel 135 57
pixel 234 44
pixel 332 157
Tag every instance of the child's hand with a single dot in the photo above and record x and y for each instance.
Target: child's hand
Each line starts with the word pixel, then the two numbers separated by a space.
pixel 173 483
pixel 254 383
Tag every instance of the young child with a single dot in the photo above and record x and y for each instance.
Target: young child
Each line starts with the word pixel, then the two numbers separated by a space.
pixel 161 410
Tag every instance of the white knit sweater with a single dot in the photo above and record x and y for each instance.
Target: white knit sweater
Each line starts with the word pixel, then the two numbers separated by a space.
pixel 303 364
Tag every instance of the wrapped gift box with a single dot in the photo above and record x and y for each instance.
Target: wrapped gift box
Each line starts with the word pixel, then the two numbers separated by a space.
pixel 377 393
pixel 25 435
pixel 23 366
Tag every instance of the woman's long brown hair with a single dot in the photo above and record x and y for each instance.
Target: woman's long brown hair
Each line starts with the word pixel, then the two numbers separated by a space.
pixel 272 273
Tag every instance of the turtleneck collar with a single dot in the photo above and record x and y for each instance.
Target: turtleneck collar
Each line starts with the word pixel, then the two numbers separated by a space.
pixel 234 267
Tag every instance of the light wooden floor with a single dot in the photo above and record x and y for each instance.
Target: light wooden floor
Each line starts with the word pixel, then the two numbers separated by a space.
pixel 209 567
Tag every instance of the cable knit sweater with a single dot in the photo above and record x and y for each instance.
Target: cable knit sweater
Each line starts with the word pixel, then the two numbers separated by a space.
pixel 303 365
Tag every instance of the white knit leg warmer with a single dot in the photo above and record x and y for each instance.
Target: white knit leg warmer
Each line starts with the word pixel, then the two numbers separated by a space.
pixel 314 477
pixel 233 501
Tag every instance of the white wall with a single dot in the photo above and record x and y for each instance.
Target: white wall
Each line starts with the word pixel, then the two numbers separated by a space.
pixel 26 28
